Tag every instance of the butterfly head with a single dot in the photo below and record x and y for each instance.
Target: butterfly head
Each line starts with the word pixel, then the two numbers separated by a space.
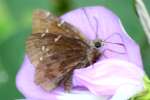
pixel 97 43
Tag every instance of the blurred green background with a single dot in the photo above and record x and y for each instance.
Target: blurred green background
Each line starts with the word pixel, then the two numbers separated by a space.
pixel 15 26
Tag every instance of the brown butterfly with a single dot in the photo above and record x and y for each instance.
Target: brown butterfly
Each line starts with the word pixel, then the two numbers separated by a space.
pixel 56 48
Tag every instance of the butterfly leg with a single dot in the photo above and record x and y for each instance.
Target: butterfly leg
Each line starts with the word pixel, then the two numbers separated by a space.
pixel 119 44
pixel 68 83
pixel 110 50
pixel 103 54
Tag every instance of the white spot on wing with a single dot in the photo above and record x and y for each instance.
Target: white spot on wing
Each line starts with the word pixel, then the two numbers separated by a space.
pixel 57 38
pixel 43 35
pixel 43 48
pixel 47 14
pixel 61 22
pixel 41 58
pixel 46 31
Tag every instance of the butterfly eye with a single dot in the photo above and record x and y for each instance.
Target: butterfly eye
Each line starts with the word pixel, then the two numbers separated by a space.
pixel 97 44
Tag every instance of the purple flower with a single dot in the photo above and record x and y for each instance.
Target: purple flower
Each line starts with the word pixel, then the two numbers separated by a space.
pixel 117 75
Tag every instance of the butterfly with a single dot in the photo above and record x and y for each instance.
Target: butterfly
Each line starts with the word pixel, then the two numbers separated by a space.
pixel 56 48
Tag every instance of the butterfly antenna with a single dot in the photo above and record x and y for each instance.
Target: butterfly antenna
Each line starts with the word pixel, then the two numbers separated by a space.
pixel 97 25
pixel 114 43
pixel 85 13
pixel 88 19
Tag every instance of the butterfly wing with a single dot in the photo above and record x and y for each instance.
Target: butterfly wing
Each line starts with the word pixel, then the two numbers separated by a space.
pixel 46 22
pixel 54 51
pixel 55 59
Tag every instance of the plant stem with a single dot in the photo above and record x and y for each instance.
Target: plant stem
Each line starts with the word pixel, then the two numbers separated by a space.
pixel 143 16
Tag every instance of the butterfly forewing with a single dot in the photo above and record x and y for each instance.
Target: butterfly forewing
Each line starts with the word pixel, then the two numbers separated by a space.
pixel 44 21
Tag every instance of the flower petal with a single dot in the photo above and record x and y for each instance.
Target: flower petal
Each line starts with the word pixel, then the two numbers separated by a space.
pixel 81 95
pixel 25 83
pixel 107 76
